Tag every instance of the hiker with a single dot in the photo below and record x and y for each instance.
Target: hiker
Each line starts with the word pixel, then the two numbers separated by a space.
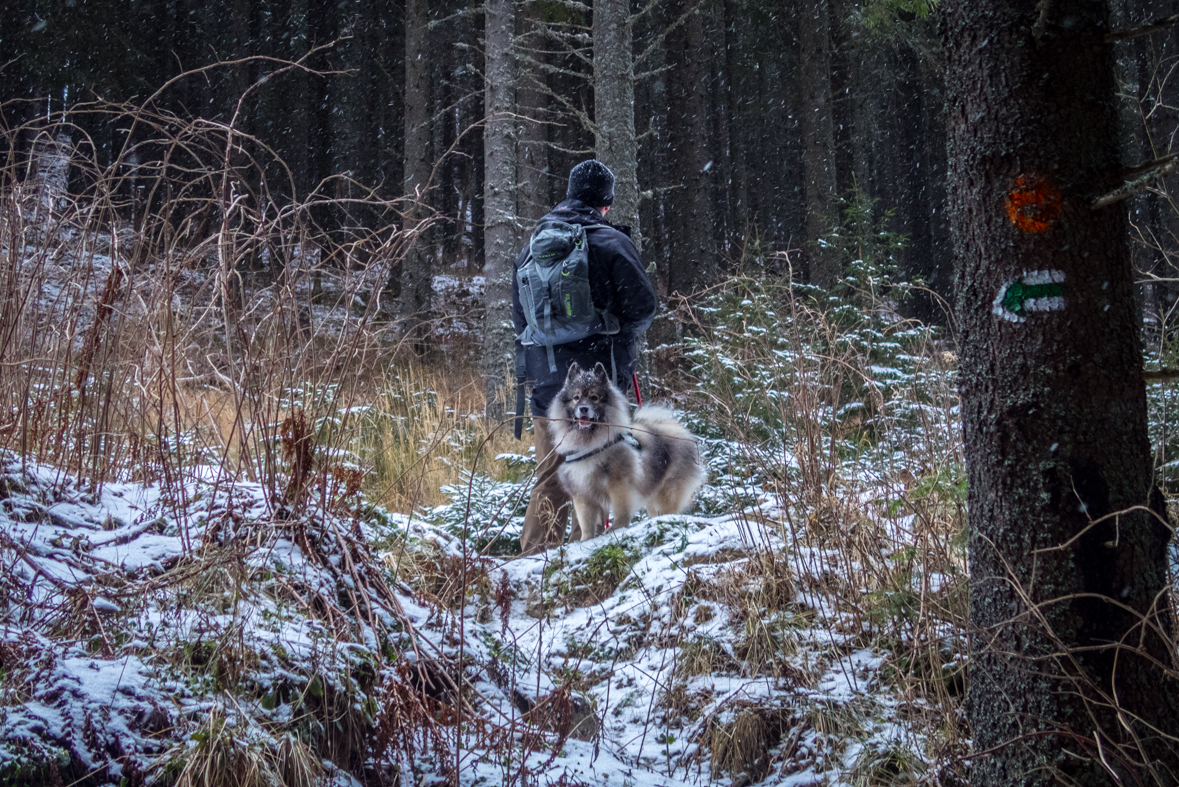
pixel 623 305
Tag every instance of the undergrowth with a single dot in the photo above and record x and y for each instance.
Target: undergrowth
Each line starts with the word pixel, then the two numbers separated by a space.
pixel 237 357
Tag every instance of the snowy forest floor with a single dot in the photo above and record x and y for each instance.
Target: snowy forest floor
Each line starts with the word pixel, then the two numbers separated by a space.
pixel 356 612
pixel 163 636
pixel 244 541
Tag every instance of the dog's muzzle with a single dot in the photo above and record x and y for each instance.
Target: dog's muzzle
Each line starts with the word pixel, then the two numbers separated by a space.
pixel 585 417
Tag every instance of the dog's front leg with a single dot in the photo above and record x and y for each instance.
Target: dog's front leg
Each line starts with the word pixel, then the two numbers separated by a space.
pixel 624 506
pixel 589 516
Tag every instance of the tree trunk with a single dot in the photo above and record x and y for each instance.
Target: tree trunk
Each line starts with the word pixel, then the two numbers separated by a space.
pixel 653 137
pixel 818 128
pixel 913 187
pixel 502 237
pixel 614 109
pixel 738 221
pixel 1143 129
pixel 533 199
pixel 298 112
pixel 416 274
pixel 1069 589
pixel 689 224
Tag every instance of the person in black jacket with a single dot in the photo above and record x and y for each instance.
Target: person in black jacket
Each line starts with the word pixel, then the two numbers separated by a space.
pixel 619 285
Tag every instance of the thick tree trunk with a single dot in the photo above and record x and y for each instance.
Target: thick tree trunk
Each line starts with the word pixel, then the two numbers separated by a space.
pixel 416 274
pixel 614 109
pixel 1146 136
pixel 354 125
pixel 297 109
pixel 502 237
pixel 653 135
pixel 818 129
pixel 914 185
pixel 1069 593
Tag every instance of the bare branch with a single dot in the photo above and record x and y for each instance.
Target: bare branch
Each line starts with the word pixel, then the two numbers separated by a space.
pixel 1155 169
pixel 1154 26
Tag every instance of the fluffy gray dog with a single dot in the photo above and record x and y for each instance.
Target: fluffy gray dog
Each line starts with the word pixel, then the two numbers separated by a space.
pixel 612 462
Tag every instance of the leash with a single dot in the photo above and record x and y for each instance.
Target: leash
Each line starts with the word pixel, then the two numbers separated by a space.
pixel 638 394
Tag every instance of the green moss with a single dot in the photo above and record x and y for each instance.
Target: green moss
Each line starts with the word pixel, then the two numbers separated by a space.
pixel 32 765
pixel 592 579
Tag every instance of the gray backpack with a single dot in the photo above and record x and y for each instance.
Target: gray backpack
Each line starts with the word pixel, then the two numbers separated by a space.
pixel 555 296
pixel 555 290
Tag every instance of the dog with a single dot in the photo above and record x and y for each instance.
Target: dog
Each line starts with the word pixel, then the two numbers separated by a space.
pixel 612 462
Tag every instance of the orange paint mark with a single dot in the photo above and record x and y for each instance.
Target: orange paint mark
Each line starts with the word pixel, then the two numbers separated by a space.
pixel 1033 204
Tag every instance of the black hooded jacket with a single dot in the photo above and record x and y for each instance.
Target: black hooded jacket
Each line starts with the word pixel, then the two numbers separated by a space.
pixel 618 284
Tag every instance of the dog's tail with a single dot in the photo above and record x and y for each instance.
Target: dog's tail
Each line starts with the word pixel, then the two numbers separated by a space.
pixel 661 421
pixel 674 464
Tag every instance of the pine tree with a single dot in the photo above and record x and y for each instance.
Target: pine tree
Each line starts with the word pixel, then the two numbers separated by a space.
pixel 1070 674
pixel 614 108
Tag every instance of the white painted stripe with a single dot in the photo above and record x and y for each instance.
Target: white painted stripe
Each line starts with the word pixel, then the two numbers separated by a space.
pixel 999 311
pixel 1043 277
pixel 1053 304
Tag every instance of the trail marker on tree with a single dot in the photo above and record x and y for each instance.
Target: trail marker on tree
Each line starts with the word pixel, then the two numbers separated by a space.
pixel 1034 204
pixel 1038 291
pixel 1072 651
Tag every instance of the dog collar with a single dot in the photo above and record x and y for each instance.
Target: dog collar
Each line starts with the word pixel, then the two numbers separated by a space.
pixel 624 437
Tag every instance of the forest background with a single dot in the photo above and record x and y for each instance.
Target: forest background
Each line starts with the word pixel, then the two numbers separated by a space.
pixel 754 123
pixel 223 221
pixel 751 120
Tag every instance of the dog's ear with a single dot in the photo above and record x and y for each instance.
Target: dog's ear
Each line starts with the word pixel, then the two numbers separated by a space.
pixel 574 370
pixel 600 372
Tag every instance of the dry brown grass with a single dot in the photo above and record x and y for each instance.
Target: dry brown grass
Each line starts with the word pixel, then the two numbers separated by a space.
pixel 228 754
pixel 875 549
pixel 447 581
pixel 141 350
pixel 703 656
pixel 425 431
pixel 214 327
pixel 741 748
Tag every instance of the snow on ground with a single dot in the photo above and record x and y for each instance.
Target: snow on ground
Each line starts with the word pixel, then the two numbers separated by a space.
pixel 128 611
pixel 633 681
pixel 680 650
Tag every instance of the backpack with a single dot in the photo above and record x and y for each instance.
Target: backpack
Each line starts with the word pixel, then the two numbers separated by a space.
pixel 555 296
pixel 555 290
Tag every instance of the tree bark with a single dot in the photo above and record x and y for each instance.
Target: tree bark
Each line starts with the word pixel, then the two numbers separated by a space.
pixel 814 39
pixel 1071 644
pixel 614 109
pixel 501 237
pixel 416 273
pixel 533 198
pixel 738 221
pixel 914 184
pixel 691 261
pixel 653 135
pixel 1142 132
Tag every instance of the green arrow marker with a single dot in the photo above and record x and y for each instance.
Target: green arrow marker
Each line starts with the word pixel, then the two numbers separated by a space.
pixel 1038 291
